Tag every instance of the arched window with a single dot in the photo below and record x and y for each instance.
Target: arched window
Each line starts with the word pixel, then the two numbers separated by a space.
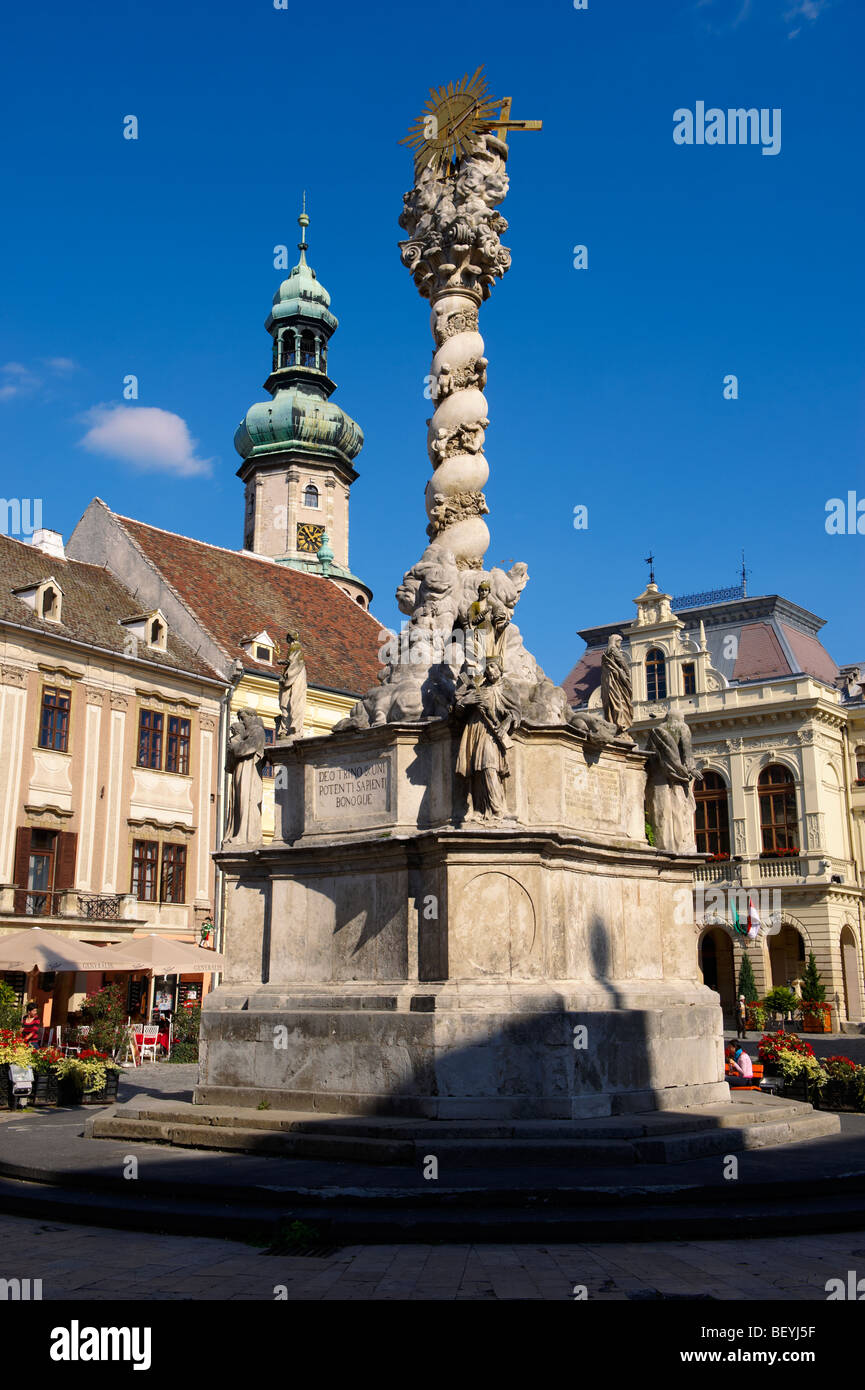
pixel 359 599
pixel 288 349
pixel 307 350
pixel 656 675
pixel 310 495
pixel 157 633
pixel 779 822
pixel 712 817
pixel 860 763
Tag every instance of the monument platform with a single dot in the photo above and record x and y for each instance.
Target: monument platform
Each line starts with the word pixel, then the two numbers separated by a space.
pixel 390 956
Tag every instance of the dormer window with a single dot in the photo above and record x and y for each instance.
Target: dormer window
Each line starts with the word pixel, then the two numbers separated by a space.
pixel 310 496
pixel 151 629
pixel 44 598
pixel 259 647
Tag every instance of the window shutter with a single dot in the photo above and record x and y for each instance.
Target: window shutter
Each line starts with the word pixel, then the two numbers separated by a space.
pixel 64 870
pixel 22 865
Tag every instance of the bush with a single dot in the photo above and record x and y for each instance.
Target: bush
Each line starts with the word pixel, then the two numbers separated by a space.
pixel 747 983
pixel 813 989
pixel 184 1052
pixel 105 1012
pixel 10 1009
pixel 781 1000
pixel 187 1025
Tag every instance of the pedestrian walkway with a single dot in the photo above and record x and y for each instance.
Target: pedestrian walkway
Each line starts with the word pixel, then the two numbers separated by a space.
pixel 92 1264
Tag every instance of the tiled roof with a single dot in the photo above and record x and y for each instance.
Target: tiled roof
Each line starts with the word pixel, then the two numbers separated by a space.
pixel 811 656
pixel 93 607
pixel 759 655
pixel 233 594
pixel 584 678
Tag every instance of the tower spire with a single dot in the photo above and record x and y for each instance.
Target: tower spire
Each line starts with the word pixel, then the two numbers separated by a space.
pixel 303 223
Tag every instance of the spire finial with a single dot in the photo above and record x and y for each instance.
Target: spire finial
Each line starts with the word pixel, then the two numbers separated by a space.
pixel 650 561
pixel 303 223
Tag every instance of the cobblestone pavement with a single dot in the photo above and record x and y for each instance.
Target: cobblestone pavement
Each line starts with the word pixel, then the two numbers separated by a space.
pixel 84 1262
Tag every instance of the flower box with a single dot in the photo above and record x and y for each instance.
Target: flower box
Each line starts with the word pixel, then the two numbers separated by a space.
pixel 45 1088
pixel 816 1018
pixel 108 1094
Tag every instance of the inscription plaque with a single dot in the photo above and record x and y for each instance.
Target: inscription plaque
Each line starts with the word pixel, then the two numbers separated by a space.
pixel 348 789
pixel 592 794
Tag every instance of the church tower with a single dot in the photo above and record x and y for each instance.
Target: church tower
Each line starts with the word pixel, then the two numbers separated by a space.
pixel 298 448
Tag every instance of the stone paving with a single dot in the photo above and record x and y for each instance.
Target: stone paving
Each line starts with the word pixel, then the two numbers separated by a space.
pixel 93 1264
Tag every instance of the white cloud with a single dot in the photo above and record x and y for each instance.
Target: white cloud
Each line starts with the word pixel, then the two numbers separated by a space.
pixel 61 364
pixel 17 380
pixel 145 437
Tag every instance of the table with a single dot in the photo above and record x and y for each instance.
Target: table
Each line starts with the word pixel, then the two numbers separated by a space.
pixel 161 1040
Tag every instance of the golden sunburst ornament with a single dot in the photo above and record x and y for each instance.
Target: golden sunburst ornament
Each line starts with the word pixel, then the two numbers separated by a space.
pixel 452 119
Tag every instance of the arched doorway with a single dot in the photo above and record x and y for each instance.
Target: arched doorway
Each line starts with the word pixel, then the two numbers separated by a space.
pixel 716 963
pixel 850 970
pixel 786 955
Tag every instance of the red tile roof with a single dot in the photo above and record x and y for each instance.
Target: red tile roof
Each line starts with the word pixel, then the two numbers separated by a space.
pixel 584 678
pixel 94 607
pixel 760 655
pixel 811 655
pixel 233 594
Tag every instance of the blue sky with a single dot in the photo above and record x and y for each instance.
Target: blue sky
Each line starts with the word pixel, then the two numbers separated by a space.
pixel 155 257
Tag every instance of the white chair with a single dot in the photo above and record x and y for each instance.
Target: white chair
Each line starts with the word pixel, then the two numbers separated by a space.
pixel 149 1041
pixel 50 1037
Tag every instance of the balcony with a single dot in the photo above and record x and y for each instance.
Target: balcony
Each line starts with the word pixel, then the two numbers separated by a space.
pixel 789 866
pixel 68 904
pixel 722 871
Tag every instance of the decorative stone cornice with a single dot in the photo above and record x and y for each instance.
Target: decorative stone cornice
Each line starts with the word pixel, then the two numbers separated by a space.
pixel 13 675
pixel 119 701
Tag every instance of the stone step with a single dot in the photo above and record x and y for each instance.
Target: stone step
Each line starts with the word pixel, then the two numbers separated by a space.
pixel 402 1142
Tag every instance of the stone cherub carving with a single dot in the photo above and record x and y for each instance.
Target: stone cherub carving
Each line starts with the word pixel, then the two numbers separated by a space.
pixel 671 769
pixel 617 694
pixel 292 690
pixel 490 710
pixel 245 749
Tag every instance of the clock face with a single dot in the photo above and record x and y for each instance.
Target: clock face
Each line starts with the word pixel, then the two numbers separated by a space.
pixel 309 538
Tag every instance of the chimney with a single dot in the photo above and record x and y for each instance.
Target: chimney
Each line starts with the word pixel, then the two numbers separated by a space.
pixel 51 542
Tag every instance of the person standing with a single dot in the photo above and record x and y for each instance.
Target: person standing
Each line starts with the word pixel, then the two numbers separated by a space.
pixel 31 1027
pixel 741 1016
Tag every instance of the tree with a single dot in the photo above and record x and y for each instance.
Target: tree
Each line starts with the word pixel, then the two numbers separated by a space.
pixel 747 983
pixel 10 1009
pixel 105 1012
pixel 813 989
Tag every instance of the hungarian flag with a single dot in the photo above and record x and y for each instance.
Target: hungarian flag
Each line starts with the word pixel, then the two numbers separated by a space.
pixel 754 923
pixel 734 912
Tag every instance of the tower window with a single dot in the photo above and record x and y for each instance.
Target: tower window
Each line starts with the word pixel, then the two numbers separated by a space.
pixel 307 350
pixel 656 675
pixel 310 495
pixel 288 354
pixel 689 678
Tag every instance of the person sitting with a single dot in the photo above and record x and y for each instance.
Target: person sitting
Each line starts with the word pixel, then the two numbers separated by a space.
pixel 741 1064
pixel 31 1027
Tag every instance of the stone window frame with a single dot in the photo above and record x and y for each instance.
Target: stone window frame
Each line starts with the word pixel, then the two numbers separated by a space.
pixel 59 688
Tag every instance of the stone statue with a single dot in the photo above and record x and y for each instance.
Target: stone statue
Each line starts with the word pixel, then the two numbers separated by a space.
pixel 617 694
pixel 292 690
pixel 245 749
pixel 486 624
pixel 670 803
pixel 491 710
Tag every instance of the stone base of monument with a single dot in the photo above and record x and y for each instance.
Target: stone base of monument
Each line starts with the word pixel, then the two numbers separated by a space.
pixel 388 956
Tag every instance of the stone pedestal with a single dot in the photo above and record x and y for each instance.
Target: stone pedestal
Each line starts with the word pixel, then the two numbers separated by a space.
pixel 387 957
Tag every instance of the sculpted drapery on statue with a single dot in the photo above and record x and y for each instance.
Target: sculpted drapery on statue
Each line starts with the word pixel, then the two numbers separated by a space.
pixel 490 710
pixel 670 803
pixel 243 762
pixel 292 690
pixel 617 695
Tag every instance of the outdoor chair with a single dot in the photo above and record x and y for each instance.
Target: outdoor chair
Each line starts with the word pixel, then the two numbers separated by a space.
pixel 149 1037
pixel 50 1037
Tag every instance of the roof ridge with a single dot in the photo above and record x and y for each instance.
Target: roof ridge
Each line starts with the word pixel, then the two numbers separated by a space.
pixel 164 578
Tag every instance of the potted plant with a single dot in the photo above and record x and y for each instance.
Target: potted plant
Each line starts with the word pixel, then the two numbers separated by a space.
pixel 105 1014
pixel 782 1001
pixel 45 1080
pixel 14 1051
pixel 840 1091
pixel 91 1078
pixel 816 1013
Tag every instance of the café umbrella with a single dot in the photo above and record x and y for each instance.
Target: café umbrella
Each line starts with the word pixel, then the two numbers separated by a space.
pixel 163 955
pixel 38 949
